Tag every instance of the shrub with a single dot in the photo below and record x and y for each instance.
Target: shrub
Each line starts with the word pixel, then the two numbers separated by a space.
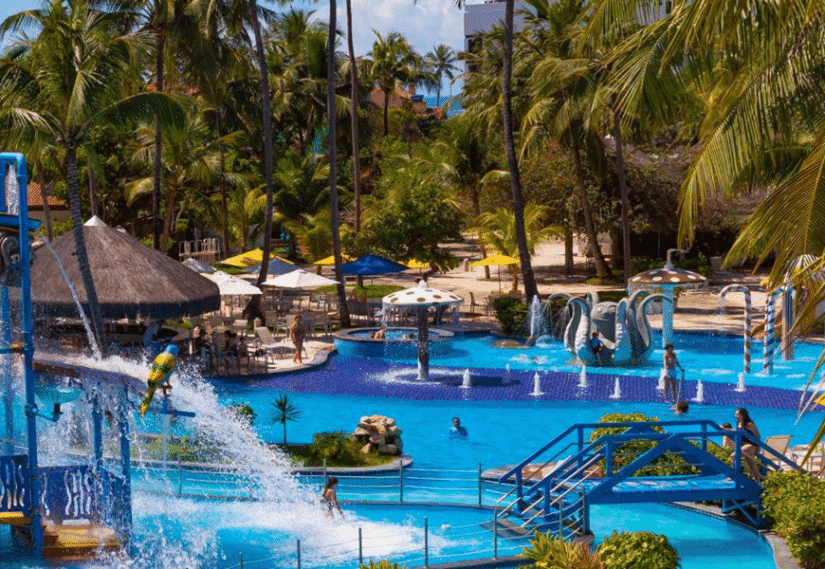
pixel 334 447
pixel 511 313
pixel 550 551
pixel 639 550
pixel 669 464
pixel 795 503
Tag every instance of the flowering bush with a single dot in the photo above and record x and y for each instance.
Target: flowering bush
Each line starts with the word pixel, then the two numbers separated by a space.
pixel 640 550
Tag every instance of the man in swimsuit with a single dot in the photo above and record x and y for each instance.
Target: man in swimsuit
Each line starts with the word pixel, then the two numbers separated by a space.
pixel 457 430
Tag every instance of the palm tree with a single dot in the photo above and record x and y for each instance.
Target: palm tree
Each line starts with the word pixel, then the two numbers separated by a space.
pixel 441 62
pixel 392 62
pixel 284 410
pixel 75 63
pixel 343 311
pixel 354 98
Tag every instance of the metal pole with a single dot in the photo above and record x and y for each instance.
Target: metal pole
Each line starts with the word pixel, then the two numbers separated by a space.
pixel 299 553
pixel 400 483
pixel 180 477
pixel 479 483
pixel 240 559
pixel 495 533
pixel 360 547
pixel 426 543
pixel 125 466
pixel 325 472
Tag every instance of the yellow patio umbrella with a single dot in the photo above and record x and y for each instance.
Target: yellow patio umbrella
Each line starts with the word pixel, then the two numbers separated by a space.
pixel 245 260
pixel 331 260
pixel 496 260
pixel 416 264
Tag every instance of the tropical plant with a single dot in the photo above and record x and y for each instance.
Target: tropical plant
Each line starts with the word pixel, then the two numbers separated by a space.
pixel 382 564
pixel 284 410
pixel 392 62
pixel 511 313
pixel 552 552
pixel 68 84
pixel 440 63
pixel 244 411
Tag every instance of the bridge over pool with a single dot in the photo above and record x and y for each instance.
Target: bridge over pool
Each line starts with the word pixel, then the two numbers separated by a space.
pixel 629 462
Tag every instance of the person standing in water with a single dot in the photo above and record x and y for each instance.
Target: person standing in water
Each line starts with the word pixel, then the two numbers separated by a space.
pixel 329 498
pixel 457 430
pixel 669 364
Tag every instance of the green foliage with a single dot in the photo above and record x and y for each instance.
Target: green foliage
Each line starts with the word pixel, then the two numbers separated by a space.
pixel 551 552
pixel 512 313
pixel 669 464
pixel 244 411
pixel 183 449
pixel 334 447
pixel 795 503
pixel 411 225
pixel 383 564
pixel 639 550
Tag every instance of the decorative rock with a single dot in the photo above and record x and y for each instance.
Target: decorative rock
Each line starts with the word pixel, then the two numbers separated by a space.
pixel 388 449
pixel 378 434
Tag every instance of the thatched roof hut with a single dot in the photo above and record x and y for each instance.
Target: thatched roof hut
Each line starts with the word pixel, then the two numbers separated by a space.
pixel 131 279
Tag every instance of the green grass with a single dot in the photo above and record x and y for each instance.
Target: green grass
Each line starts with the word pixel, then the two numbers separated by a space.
pixel 373 290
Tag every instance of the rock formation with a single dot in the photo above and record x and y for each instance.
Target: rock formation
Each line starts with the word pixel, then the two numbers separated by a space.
pixel 379 435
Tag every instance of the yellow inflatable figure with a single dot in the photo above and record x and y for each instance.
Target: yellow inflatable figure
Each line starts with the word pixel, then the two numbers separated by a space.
pixel 162 368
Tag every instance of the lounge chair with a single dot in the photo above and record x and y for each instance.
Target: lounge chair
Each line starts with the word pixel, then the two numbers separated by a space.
pixel 267 342
pixel 778 443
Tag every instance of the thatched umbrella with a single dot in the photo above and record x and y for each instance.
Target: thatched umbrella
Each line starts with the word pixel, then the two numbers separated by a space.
pixel 131 279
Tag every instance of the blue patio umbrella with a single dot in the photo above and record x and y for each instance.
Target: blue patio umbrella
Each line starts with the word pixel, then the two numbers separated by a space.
pixel 372 265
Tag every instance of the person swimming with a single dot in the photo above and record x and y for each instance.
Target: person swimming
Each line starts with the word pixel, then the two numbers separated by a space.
pixel 457 430
pixel 329 499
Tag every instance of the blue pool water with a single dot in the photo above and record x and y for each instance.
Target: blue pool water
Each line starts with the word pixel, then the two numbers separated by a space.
pixel 711 358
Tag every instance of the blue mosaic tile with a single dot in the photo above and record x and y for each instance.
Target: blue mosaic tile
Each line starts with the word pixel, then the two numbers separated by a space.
pixel 363 376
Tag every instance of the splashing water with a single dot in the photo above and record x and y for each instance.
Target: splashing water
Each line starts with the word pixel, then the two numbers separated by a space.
pixel 89 334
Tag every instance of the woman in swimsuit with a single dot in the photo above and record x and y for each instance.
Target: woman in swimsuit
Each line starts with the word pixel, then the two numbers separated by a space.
pixel 749 449
pixel 328 497
pixel 669 364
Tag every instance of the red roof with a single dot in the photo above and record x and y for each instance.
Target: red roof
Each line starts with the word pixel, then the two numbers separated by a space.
pixel 36 201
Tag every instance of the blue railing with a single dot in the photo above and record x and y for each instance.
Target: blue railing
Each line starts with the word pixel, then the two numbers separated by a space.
pixel 13 495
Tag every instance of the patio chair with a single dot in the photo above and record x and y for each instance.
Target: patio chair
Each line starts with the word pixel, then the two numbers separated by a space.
pixel 778 443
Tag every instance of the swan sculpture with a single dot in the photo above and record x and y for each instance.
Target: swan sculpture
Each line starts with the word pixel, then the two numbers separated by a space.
pixel 622 327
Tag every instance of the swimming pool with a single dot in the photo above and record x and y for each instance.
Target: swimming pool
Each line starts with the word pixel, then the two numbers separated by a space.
pixel 709 357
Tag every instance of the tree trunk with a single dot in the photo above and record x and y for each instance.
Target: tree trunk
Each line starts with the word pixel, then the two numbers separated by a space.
pixel 160 46
pixel 222 184
pixel 92 189
pixel 617 136
pixel 602 270
pixel 386 112
pixel 255 302
pixel 47 212
pixel 356 145
pixel 568 250
pixel 530 289
pixel 343 311
pixel 80 247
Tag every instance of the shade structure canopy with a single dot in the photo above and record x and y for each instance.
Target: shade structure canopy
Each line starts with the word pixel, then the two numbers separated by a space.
pixel 422 298
pixel 277 266
pixel 247 259
pixel 131 279
pixel 299 278
pixel 233 286
pixel 372 265
pixel 667 279
pixel 198 266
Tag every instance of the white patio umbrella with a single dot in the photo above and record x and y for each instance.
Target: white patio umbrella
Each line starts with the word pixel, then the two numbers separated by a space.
pixel 299 278
pixel 232 286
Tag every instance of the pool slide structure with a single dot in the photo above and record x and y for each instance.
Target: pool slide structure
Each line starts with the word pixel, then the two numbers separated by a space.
pixel 553 488
pixel 63 511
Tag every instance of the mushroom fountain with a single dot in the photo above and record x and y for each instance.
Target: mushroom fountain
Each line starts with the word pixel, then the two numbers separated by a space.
pixel 422 298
